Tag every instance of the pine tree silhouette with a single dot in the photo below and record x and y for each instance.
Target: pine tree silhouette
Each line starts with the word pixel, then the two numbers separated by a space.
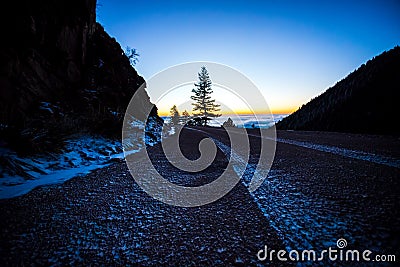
pixel 204 105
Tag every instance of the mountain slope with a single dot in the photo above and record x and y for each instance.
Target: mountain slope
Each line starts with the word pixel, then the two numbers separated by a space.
pixel 60 74
pixel 364 102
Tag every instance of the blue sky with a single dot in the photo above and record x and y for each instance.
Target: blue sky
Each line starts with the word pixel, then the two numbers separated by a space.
pixel 292 50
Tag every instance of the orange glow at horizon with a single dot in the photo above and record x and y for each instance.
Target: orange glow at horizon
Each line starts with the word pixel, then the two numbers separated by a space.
pixel 280 111
pixel 230 103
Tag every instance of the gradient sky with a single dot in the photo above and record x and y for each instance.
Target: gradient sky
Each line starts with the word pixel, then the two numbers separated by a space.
pixel 292 50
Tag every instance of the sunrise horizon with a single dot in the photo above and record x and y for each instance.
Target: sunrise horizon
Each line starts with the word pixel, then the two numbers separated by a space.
pixel 166 113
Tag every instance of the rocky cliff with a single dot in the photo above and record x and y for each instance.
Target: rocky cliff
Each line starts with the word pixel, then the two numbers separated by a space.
pixel 364 102
pixel 60 74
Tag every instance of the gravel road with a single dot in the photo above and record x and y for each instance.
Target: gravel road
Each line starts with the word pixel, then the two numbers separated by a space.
pixel 310 199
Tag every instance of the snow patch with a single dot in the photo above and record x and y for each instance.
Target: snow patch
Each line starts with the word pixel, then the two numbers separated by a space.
pixel 79 156
pixel 355 154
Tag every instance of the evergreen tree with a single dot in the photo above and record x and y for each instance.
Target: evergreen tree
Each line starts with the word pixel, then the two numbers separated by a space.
pixel 203 104
pixel 132 55
pixel 174 113
pixel 228 123
pixel 185 117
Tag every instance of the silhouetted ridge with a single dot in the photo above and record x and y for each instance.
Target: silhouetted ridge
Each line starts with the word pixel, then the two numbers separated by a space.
pixel 364 102
pixel 60 74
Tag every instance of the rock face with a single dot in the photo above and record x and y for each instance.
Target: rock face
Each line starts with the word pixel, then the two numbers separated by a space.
pixel 364 102
pixel 60 74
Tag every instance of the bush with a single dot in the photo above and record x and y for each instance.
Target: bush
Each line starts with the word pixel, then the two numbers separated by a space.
pixel 228 123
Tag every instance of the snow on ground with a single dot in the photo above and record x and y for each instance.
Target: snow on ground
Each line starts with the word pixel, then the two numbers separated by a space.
pixel 305 220
pixel 361 155
pixel 80 155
